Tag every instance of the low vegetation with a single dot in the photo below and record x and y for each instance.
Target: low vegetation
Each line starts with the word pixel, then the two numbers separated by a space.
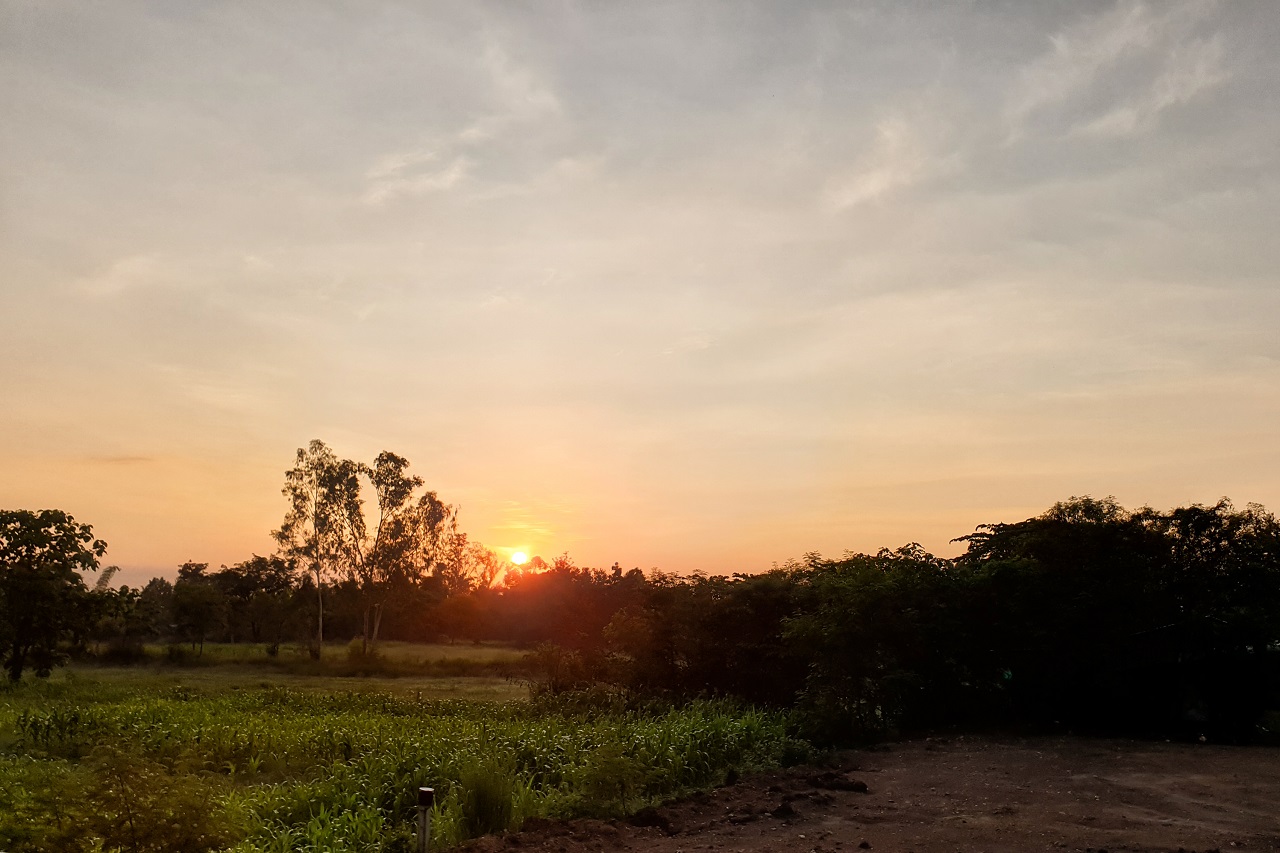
pixel 138 766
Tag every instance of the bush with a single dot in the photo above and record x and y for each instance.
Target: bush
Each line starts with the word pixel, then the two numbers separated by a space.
pixel 488 796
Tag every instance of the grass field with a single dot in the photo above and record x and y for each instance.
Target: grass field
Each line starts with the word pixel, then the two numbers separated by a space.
pixel 486 672
pixel 345 659
pixel 221 757
pixel 410 654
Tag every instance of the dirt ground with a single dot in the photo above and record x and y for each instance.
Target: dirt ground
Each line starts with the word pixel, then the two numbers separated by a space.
pixel 964 794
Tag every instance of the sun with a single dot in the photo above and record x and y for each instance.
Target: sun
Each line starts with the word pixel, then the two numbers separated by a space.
pixel 519 558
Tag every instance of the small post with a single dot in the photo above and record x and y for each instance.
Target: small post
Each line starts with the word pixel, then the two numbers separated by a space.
pixel 426 799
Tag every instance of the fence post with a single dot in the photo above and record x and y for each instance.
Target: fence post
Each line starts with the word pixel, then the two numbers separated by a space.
pixel 426 798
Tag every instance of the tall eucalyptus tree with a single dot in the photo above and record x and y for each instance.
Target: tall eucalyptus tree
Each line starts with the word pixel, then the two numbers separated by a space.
pixel 323 518
pixel 328 531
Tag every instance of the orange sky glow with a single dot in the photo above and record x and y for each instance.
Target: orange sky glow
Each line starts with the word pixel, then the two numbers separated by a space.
pixel 677 286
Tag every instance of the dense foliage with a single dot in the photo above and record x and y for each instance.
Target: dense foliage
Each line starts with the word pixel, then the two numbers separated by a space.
pixel 1088 617
pixel 41 589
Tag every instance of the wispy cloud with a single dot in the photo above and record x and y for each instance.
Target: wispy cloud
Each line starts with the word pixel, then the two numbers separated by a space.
pixel 1079 55
pixel 895 160
pixel 792 262
pixel 520 91
pixel 414 173
pixel 1114 52
pixel 127 273
pixel 1193 69
pixel 517 97
pixel 119 460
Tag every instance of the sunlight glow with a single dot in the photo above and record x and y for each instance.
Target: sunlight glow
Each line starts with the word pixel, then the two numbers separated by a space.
pixel 519 558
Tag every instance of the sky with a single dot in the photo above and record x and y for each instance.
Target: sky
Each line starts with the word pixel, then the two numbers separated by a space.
pixel 678 285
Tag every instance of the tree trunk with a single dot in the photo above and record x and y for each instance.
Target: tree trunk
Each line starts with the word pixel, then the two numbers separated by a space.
pixel 17 660
pixel 372 622
pixel 315 653
pixel 377 623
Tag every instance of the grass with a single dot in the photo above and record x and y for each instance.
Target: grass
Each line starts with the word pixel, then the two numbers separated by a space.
pixel 410 654
pixel 221 758
pixel 132 679
pixel 343 659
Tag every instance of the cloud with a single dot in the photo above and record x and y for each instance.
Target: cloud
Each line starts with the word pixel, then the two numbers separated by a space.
pixel 414 173
pixel 1079 55
pixel 515 98
pixel 1188 72
pixel 128 273
pixel 780 240
pixel 119 460
pixel 522 94
pixel 897 159
pixel 1156 52
pixel 518 96
pixel 693 342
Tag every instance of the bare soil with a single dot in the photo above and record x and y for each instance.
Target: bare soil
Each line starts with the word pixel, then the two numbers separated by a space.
pixel 963 794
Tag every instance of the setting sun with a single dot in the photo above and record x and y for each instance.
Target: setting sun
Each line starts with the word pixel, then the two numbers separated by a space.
pixel 519 558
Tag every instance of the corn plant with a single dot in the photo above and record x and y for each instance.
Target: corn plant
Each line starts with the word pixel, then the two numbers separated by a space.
pixel 284 770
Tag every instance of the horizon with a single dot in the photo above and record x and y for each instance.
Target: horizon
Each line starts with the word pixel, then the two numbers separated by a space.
pixel 681 287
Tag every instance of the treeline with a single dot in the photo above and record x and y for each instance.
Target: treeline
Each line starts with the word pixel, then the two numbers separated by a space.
pixel 1088 617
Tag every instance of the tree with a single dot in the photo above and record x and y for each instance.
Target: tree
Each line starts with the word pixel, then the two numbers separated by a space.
pixel 1142 621
pixel 155 607
pixel 326 529
pixel 259 592
pixel 412 539
pixel 466 566
pixel 199 607
pixel 41 556
pixel 114 617
pixel 324 505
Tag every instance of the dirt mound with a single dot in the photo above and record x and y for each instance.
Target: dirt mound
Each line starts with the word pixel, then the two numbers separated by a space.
pixel 963 794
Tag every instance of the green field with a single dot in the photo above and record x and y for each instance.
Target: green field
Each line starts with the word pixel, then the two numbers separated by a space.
pixel 488 672
pixel 394 659
pixel 221 757
pixel 414 654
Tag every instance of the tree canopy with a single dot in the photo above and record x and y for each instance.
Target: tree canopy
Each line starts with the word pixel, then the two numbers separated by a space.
pixel 410 536
pixel 42 555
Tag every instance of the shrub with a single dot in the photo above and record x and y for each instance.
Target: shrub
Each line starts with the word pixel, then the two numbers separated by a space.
pixel 487 798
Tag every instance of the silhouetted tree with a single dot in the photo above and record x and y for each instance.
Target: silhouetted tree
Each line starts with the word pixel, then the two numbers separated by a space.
pixel 116 618
pixel 324 499
pixel 155 607
pixel 42 554
pixel 411 538
pixel 199 607
pixel 1147 621
pixel 259 593
pixel 326 529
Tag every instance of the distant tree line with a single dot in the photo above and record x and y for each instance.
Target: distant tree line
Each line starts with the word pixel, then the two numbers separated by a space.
pixel 1088 617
